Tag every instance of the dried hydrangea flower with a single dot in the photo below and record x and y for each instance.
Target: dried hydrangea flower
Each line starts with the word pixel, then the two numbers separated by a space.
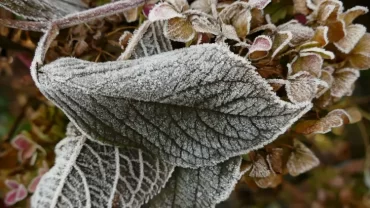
pixel 301 159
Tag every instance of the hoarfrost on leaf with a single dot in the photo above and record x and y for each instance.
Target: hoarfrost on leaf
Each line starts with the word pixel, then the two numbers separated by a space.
pixel 199 188
pixel 88 174
pixel 42 10
pixel 192 107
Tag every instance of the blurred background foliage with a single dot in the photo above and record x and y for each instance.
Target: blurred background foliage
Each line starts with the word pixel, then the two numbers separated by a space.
pixel 30 126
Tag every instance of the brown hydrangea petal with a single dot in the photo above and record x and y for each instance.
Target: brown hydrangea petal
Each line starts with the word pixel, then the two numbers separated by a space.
pixel 281 42
pixel 205 24
pixel 80 48
pixel 202 5
pixel 163 11
pixel 300 32
pixel 124 39
pixel 259 4
pixel 351 14
pixel 301 159
pixel 337 30
pixel 242 23
pixel 271 181
pixel 322 52
pixel 359 57
pixel 180 5
pixel 310 62
pixel 300 7
pixel 131 15
pixel 355 114
pixel 334 119
pixel 179 29
pixel 260 48
pixel 321 35
pixel 301 87
pixel 354 33
pixel 328 79
pixel 343 81
pixel 324 100
pixel 267 27
pixel 231 11
pixel 275 160
pixel 259 167
pixel 258 18
pixel 329 10
pixel 229 32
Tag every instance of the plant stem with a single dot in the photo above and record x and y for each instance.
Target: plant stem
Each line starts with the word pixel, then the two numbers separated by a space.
pixel 75 18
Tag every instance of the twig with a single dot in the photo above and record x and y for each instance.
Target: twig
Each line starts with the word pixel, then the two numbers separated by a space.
pixel 75 18
pixel 17 121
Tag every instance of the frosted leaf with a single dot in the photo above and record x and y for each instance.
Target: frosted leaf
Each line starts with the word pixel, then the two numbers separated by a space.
pixel 353 35
pixel 199 188
pixel 334 119
pixel 329 10
pixel 179 29
pixel 203 5
pixel 42 10
pixel 301 87
pixel 301 159
pixel 260 168
pixel 359 57
pixel 275 160
pixel 343 81
pixel 300 33
pixel 242 23
pixel 351 14
pixel 322 52
pixel 163 11
pixel 260 48
pixel 205 24
pixel 191 107
pixel 271 181
pixel 281 41
pixel 310 62
pixel 88 174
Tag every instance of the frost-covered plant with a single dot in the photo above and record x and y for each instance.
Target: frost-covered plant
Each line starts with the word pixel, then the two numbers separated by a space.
pixel 178 128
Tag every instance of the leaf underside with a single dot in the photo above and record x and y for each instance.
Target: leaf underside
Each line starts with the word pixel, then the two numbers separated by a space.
pixel 41 10
pixel 88 174
pixel 192 107
pixel 202 187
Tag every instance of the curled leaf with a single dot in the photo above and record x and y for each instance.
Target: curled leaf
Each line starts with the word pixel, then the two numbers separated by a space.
pixel 260 48
pixel 17 192
pixel 353 35
pixel 322 52
pixel 198 188
pixel 337 30
pixel 301 159
pixel 275 160
pixel 343 81
pixel 167 103
pixel 321 36
pixel 334 119
pixel 88 174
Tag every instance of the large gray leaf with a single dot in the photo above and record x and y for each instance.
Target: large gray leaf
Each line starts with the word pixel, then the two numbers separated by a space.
pixel 191 107
pixel 43 9
pixel 199 188
pixel 88 174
